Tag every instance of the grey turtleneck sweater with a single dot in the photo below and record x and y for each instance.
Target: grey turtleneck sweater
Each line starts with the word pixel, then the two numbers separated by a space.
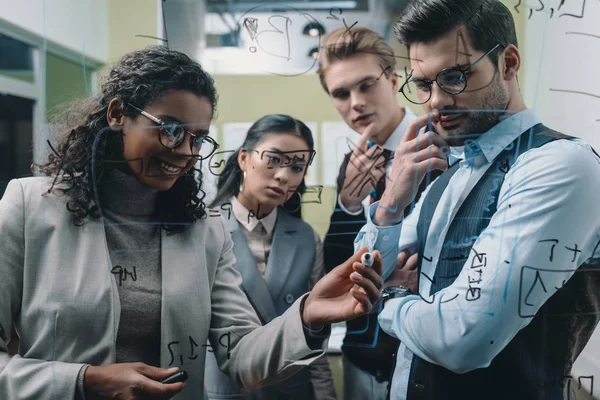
pixel 133 235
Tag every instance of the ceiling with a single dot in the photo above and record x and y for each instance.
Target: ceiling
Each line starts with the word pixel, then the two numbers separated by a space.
pixel 258 37
pixel 217 6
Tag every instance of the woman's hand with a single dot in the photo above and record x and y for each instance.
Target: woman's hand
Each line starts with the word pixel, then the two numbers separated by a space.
pixel 347 292
pixel 129 381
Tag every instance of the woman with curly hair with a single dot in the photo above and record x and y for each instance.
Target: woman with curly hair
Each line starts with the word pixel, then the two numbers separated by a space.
pixel 112 273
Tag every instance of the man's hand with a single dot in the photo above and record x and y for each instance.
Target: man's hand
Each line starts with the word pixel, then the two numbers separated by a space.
pixel 365 168
pixel 347 292
pixel 129 381
pixel 413 158
pixel 406 273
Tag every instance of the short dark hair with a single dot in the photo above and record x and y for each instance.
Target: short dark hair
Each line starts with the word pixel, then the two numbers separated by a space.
pixel 488 22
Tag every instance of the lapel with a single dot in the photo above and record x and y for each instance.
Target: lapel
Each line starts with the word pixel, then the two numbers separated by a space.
pixel 252 281
pixel 283 252
pixel 186 301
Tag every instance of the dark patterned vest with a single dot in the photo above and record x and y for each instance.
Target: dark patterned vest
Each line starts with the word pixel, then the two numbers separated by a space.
pixel 536 363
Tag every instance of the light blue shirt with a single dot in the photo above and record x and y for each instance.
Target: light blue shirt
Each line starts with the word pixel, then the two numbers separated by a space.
pixel 547 218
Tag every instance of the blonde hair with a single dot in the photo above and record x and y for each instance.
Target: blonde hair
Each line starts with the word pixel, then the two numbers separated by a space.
pixel 344 43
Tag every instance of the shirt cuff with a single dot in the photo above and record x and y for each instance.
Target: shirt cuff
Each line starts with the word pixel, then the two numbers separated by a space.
pixel 386 239
pixel 392 310
pixel 80 390
pixel 344 209
pixel 314 338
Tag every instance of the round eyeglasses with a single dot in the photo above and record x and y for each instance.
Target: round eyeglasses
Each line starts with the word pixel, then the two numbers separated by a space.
pixel 172 134
pixel 451 80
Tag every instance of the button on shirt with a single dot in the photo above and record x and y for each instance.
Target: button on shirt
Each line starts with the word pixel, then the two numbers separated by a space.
pixel 548 198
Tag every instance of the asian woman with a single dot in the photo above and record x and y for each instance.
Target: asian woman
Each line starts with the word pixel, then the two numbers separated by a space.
pixel 279 256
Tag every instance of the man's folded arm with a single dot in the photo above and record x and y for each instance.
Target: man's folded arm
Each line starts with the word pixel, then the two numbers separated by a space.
pixel 548 198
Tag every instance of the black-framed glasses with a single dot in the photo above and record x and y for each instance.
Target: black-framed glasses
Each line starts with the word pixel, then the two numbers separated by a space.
pixel 451 80
pixel 172 134
pixel 297 160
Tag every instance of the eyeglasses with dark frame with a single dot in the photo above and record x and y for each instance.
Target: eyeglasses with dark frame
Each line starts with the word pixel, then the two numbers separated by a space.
pixel 172 134
pixel 287 159
pixel 451 80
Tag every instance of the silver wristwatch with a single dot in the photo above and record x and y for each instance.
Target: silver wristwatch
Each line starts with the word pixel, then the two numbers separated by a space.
pixel 394 292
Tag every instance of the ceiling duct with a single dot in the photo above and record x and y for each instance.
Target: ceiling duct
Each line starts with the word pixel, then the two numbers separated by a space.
pixel 242 6
pixel 184 25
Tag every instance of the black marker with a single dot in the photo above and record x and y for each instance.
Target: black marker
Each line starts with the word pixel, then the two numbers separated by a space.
pixel 180 376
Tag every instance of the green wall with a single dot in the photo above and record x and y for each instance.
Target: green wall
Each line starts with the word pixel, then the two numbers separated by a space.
pixel 66 81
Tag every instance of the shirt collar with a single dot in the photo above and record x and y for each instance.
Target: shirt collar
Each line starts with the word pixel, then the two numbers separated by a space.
pixel 241 213
pixel 495 140
pixel 396 136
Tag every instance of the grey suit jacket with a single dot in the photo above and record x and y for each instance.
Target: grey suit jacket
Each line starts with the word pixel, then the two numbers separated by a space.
pixel 57 289
pixel 290 274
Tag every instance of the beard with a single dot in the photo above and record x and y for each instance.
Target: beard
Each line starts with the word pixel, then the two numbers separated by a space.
pixel 490 107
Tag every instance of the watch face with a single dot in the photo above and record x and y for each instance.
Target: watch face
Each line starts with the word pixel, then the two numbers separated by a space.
pixel 393 292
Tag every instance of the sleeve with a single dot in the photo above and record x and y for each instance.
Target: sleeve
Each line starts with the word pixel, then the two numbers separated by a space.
pixel 257 355
pixel 23 378
pixel 547 224
pixel 360 211
pixel 390 240
pixel 321 379
pixel 80 395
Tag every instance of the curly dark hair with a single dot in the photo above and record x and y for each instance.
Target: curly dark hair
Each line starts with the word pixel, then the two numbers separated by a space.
pixel 139 78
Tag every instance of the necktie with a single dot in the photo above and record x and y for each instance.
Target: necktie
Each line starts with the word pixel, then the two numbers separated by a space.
pixel 380 187
pixel 262 252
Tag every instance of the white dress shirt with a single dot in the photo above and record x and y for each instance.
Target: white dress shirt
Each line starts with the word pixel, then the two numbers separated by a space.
pixel 258 232
pixel 550 193
pixel 259 235
pixel 390 144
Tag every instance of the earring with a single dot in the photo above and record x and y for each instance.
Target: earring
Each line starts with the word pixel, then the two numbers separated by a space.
pixel 242 182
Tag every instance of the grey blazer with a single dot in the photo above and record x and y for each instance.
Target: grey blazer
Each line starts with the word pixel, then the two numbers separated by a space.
pixel 57 290
pixel 290 274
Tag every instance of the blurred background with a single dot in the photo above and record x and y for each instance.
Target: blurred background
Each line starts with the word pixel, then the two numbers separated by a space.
pixel 262 57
